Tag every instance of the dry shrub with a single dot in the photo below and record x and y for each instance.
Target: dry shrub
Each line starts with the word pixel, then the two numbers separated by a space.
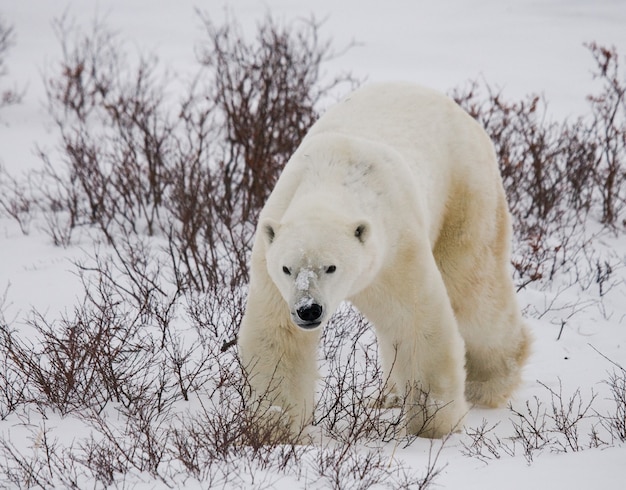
pixel 15 195
pixel 609 132
pixel 557 175
pixel 196 170
pixel 16 199
pixel 8 96
pixel 567 423
pixel 170 190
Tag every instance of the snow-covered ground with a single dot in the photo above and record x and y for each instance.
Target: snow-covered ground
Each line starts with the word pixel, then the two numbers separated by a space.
pixel 521 46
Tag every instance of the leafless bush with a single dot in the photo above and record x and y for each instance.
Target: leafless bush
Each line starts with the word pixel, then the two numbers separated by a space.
pixel 615 421
pixel 484 444
pixel 16 199
pixel 14 384
pixel 268 91
pixel 130 383
pixel 173 188
pixel 557 426
pixel 143 445
pixel 263 97
pixel 221 445
pixel 351 404
pixel 85 359
pixel 565 424
pixel 8 96
pixel 530 428
pixel 609 125
pixel 97 98
pixel 556 175
pixel 47 465
pixel 197 170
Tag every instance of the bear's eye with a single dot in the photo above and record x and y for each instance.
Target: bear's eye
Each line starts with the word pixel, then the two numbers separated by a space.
pixel 330 269
pixel 286 270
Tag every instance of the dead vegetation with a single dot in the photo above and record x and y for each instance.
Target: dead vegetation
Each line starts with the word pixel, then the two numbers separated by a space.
pixel 169 189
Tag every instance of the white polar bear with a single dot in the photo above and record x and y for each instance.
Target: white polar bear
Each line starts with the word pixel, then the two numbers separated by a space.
pixel 394 202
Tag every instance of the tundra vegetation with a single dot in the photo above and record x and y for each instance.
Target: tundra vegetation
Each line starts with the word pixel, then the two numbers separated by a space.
pixel 155 187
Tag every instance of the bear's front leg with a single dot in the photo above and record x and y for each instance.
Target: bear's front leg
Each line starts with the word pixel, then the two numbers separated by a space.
pixel 428 376
pixel 280 362
pixel 420 345
pixel 434 391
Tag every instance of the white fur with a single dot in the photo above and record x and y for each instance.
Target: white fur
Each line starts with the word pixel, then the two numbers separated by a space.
pixel 398 190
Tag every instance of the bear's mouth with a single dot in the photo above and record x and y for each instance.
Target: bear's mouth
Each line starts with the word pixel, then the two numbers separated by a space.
pixel 307 325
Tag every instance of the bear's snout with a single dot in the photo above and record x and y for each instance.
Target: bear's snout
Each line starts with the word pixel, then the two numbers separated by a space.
pixel 309 316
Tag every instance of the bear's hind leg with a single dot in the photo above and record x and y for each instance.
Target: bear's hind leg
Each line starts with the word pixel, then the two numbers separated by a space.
pixel 497 342
pixel 474 259
pixel 493 369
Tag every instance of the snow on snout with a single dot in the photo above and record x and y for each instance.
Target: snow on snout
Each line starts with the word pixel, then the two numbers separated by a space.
pixel 303 284
pixel 304 302
pixel 304 278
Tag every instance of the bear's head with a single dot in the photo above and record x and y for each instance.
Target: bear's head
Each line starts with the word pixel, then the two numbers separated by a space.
pixel 316 264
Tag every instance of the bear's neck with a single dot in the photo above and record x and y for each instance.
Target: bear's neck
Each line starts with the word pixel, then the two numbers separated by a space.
pixel 315 201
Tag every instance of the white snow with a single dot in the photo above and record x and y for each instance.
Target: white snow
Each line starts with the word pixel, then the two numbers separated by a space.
pixel 522 46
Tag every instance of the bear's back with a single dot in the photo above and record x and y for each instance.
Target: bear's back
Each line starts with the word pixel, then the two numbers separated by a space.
pixel 402 115
pixel 444 148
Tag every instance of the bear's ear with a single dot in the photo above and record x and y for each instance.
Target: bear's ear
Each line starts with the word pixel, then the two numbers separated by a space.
pixel 362 230
pixel 268 229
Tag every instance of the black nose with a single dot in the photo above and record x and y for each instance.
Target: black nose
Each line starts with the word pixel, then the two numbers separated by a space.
pixel 310 313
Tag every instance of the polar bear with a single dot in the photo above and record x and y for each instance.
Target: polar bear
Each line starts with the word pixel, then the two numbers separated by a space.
pixel 394 202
